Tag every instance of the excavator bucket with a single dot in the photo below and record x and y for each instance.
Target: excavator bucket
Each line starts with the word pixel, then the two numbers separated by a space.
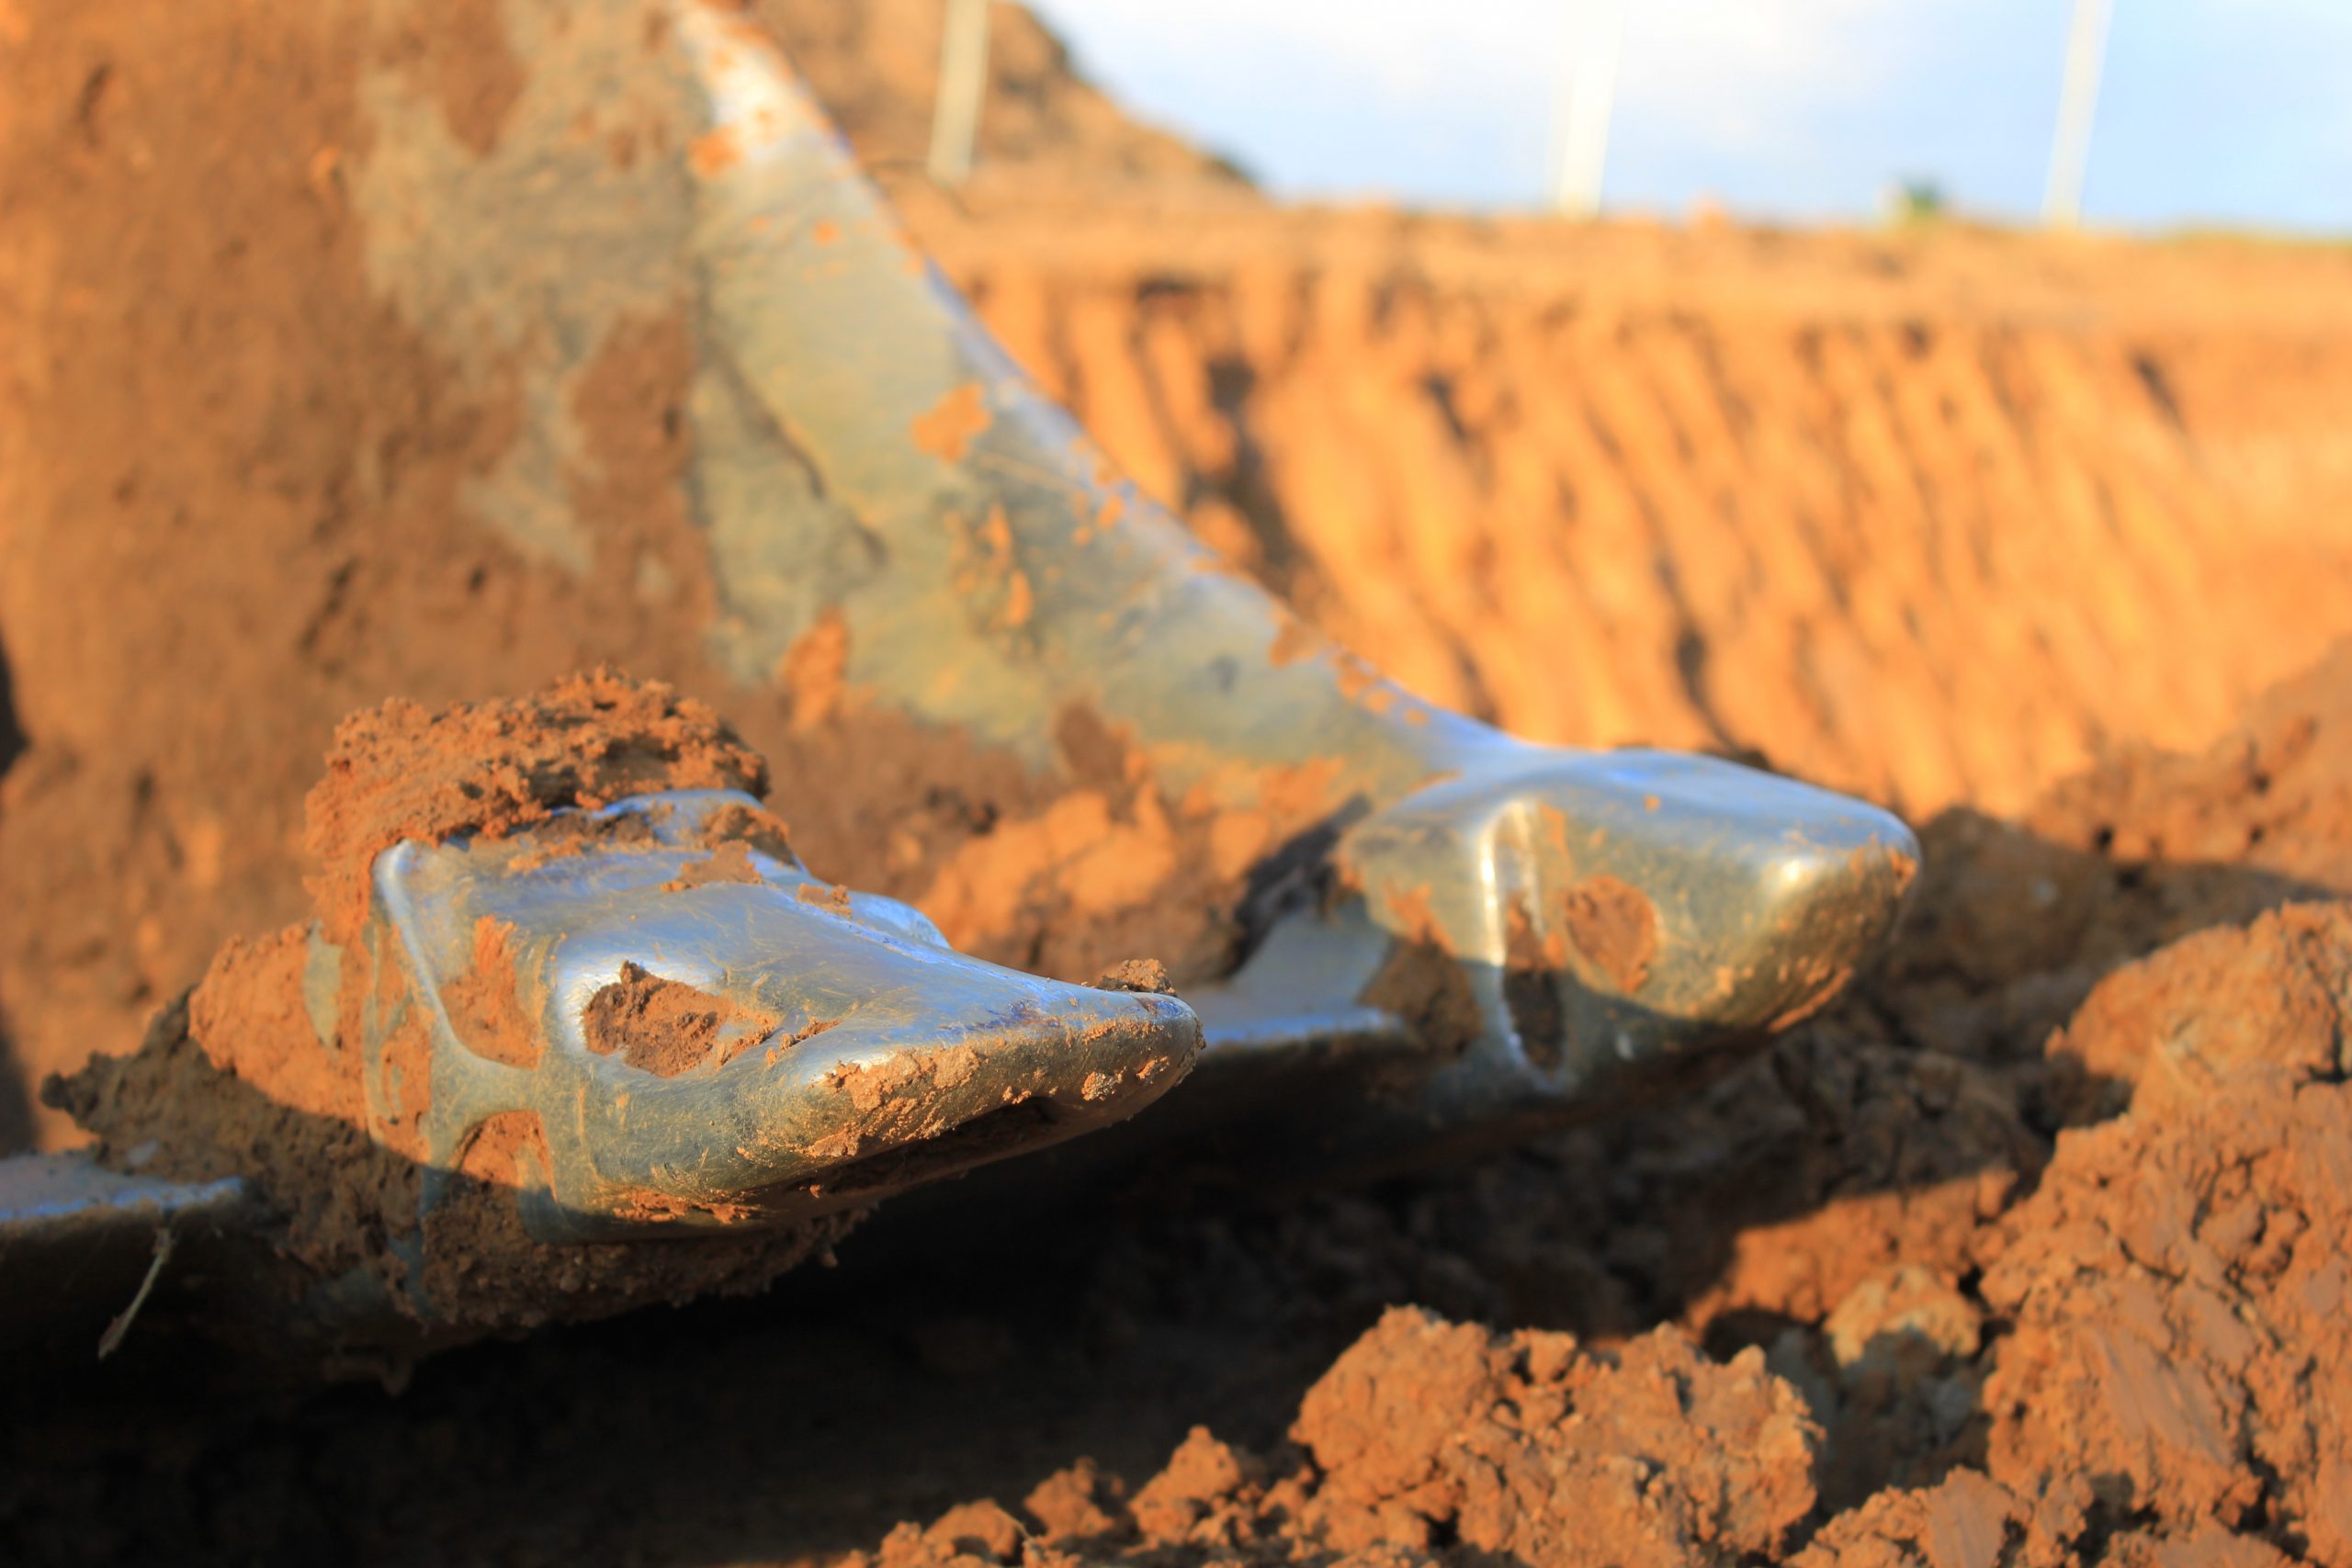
pixel 688 1042
pixel 1451 937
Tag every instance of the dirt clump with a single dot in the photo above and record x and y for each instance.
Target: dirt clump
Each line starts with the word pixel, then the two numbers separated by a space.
pixel 754 827
pixel 2274 794
pixel 401 772
pixel 1614 926
pixel 667 1026
pixel 485 1003
pixel 1965 1520
pixel 2224 1009
pixel 1145 975
pixel 729 862
pixel 1429 1439
pixel 1651 1453
pixel 2177 1284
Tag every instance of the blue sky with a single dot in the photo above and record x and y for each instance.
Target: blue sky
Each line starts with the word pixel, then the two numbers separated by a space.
pixel 2226 112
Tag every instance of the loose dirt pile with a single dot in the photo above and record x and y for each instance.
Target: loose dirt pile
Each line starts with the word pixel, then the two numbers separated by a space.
pixel 2031 1253
pixel 1525 1448
pixel 2027 1252
pixel 493 768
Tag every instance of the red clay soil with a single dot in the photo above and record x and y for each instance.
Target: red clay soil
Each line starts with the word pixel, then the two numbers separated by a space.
pixel 1936 515
pixel 664 1027
pixel 399 772
pixel 2028 1252
pixel 2031 1253
pixel 1940 516
pixel 1524 1447
pixel 1850 502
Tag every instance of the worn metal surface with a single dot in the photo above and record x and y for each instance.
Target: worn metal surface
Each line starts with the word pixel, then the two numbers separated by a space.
pixel 991 580
pixel 78 1240
pixel 882 1058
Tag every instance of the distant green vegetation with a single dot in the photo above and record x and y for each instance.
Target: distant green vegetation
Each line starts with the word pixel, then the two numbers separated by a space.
pixel 1910 201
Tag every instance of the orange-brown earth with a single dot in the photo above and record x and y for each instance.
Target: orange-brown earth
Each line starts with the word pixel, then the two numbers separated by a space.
pixel 1936 515
pixel 2029 1252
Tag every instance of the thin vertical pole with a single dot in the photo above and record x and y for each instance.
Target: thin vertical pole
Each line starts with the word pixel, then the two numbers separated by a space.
pixel 963 84
pixel 1583 104
pixel 2070 148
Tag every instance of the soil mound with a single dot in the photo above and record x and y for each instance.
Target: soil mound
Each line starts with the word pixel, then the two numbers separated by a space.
pixel 2177 1285
pixel 2027 1253
pixel 1424 1432
pixel 399 772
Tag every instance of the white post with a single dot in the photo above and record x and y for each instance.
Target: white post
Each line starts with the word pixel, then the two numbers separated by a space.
pixel 1582 104
pixel 2070 148
pixel 963 84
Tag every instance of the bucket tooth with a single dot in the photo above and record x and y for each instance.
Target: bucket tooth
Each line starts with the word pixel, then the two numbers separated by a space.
pixel 1624 918
pixel 823 1049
